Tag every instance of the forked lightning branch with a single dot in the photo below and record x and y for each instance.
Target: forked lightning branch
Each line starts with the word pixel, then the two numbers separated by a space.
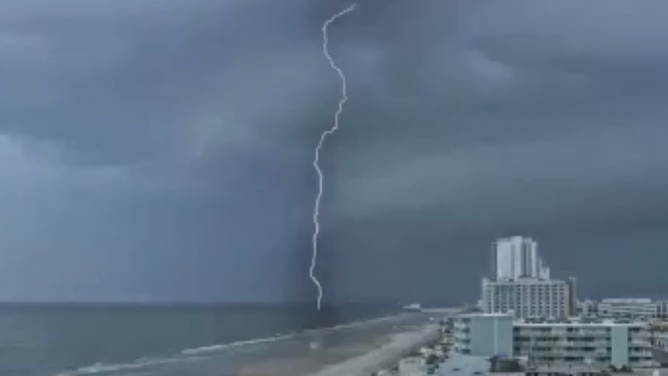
pixel 323 137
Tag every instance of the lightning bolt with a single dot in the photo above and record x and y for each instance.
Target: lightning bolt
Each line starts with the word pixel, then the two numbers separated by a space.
pixel 323 137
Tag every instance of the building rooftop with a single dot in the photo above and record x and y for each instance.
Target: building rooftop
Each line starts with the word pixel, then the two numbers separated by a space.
pixel 627 300
pixel 525 280
pixel 580 324
pixel 566 322
pixel 463 365
pixel 569 370
pixel 480 314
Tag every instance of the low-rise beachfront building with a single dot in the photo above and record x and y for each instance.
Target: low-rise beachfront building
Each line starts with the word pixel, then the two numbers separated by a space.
pixel 570 371
pixel 484 334
pixel 529 297
pixel 587 308
pixel 598 344
pixel 633 308
pixel 602 343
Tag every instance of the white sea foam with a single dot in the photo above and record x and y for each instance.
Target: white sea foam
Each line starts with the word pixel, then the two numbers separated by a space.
pixel 216 348
pixel 185 355
pixel 138 365
pixel 201 352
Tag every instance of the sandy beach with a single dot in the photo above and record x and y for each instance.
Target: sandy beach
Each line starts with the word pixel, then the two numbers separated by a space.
pixel 346 350
pixel 360 358
pixel 398 346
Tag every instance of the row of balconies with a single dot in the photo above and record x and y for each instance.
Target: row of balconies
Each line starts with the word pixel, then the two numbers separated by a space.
pixel 573 340
pixel 572 348
pixel 525 292
pixel 546 351
pixel 523 300
pixel 562 354
pixel 520 303
pixel 643 364
pixel 533 311
pixel 543 350
pixel 596 363
pixel 525 297
pixel 578 346
pixel 566 343
pixel 535 333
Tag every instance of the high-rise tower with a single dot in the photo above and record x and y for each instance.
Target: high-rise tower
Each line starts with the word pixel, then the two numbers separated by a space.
pixel 517 257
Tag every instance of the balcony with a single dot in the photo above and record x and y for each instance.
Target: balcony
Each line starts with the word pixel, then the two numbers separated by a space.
pixel 580 344
pixel 589 333
pixel 562 354
pixel 643 364
pixel 461 346
pixel 539 333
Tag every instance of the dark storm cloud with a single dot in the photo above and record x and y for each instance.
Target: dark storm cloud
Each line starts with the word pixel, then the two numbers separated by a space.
pixel 158 149
pixel 127 81
pixel 176 138
pixel 517 118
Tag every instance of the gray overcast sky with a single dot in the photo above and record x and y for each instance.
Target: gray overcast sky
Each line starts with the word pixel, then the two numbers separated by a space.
pixel 162 148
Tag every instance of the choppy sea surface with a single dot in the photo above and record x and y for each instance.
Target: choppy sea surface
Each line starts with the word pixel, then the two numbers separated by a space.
pixel 133 339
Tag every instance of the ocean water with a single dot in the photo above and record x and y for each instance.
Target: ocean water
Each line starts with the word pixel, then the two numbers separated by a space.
pixel 83 339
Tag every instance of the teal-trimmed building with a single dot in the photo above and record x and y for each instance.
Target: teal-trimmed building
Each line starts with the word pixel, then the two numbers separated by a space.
pixel 485 334
pixel 602 343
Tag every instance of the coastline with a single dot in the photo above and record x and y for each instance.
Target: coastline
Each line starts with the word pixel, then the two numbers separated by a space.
pixel 286 353
pixel 349 348
pixel 398 346
pixel 369 351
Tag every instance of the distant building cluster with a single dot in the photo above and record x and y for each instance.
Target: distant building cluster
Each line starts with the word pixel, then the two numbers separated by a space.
pixel 533 325
pixel 529 316
pixel 627 308
pixel 521 283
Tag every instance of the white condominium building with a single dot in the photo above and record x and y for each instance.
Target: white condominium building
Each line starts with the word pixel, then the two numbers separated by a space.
pixel 567 343
pixel 529 297
pixel 517 257
pixel 599 344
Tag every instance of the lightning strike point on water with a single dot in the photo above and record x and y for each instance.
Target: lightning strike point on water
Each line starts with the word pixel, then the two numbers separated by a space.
pixel 323 136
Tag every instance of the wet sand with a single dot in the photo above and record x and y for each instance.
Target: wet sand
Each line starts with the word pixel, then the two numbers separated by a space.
pixel 351 359
pixel 350 349
pixel 311 360
pixel 398 346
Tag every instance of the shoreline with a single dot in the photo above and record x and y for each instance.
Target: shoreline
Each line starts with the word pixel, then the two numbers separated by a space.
pixel 287 336
pixel 359 358
pixel 203 352
pixel 399 345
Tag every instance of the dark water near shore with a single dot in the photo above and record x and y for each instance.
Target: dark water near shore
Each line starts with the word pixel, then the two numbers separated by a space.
pixel 46 339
